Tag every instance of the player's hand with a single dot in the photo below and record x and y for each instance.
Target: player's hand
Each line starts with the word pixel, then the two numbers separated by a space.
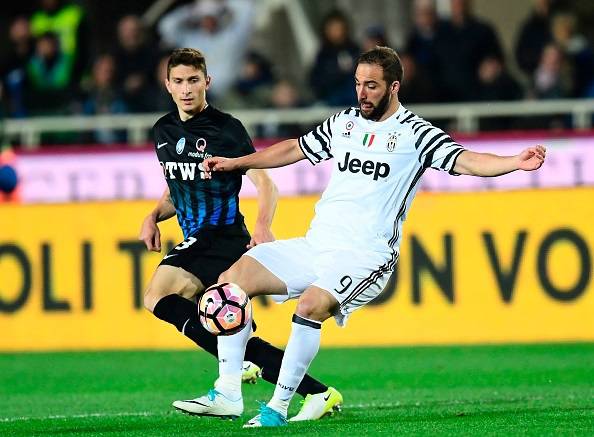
pixel 532 158
pixel 217 163
pixel 150 234
pixel 263 235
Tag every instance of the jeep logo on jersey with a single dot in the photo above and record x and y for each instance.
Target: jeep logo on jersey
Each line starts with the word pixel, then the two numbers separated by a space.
pixel 377 169
pixel 200 144
pixel 179 147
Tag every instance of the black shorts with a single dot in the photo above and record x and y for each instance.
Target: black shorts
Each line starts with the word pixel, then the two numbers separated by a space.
pixel 209 252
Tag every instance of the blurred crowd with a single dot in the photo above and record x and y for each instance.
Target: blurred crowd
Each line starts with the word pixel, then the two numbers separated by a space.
pixel 52 68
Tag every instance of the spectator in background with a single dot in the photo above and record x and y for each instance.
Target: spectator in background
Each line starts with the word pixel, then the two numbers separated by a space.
pixel 577 50
pixel 103 97
pixel 417 86
pixel 253 87
pixel 21 44
pixel 421 42
pixel 535 34
pixel 13 66
pixel 67 21
pixel 219 29
pixel 331 77
pixel 284 96
pixel 552 80
pixel 461 45
pixel 552 77
pixel 49 89
pixel 158 97
pixel 495 82
pixel 135 62
pixel 375 36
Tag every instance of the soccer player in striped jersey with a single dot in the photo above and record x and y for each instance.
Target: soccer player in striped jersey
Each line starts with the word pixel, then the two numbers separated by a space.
pixel 381 150
pixel 215 234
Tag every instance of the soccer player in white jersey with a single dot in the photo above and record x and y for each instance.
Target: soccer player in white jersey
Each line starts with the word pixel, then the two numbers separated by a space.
pixel 380 150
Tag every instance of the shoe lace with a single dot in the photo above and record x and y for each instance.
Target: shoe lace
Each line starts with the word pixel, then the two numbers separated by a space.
pixel 265 410
pixel 212 393
pixel 305 400
pixel 267 413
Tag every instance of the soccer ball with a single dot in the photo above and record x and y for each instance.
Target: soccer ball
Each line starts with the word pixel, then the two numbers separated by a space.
pixel 224 309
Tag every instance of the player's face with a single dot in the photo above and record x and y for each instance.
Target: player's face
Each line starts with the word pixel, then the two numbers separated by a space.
pixel 373 93
pixel 187 85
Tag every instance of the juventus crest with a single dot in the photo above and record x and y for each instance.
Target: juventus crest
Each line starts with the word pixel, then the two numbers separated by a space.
pixel 391 144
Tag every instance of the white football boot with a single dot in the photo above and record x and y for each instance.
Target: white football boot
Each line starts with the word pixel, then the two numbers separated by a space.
pixel 214 404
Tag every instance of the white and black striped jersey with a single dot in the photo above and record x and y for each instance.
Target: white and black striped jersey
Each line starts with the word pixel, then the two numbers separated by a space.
pixel 377 168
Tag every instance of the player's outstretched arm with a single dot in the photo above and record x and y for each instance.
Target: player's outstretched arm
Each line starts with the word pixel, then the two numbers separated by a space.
pixel 149 231
pixel 278 155
pixel 487 164
pixel 267 200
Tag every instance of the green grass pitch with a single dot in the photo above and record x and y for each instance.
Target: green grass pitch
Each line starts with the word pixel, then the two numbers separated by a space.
pixel 484 390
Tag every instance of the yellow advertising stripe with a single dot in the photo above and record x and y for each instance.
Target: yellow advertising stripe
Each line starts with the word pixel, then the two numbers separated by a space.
pixel 473 268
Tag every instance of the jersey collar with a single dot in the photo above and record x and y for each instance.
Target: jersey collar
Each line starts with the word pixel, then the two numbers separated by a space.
pixel 395 116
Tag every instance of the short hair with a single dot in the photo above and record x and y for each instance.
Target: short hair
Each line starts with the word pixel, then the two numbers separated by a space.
pixel 335 15
pixel 388 59
pixel 191 57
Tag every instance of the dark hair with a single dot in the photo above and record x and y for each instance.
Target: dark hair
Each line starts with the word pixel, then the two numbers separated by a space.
pixel 335 15
pixel 386 58
pixel 186 56
pixel 53 36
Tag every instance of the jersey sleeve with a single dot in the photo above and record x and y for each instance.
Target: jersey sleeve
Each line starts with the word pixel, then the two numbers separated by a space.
pixel 153 133
pixel 435 149
pixel 156 133
pixel 239 138
pixel 317 145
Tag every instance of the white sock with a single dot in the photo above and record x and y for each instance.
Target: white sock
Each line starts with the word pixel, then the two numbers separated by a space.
pixel 303 346
pixel 231 352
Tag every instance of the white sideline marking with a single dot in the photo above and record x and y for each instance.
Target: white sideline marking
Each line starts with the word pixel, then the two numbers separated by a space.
pixel 152 414
pixel 77 416
pixel 170 412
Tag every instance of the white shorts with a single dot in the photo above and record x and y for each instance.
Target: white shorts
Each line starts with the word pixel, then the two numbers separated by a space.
pixel 354 277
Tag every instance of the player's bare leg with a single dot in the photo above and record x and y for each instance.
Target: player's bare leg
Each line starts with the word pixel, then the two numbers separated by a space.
pixel 169 280
pixel 225 400
pixel 255 279
pixel 320 399
pixel 169 297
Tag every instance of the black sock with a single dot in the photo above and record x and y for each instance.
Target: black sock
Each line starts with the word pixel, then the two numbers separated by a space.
pixel 179 311
pixel 269 358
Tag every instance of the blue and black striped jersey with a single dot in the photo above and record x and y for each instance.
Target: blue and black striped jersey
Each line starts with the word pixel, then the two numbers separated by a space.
pixel 181 147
